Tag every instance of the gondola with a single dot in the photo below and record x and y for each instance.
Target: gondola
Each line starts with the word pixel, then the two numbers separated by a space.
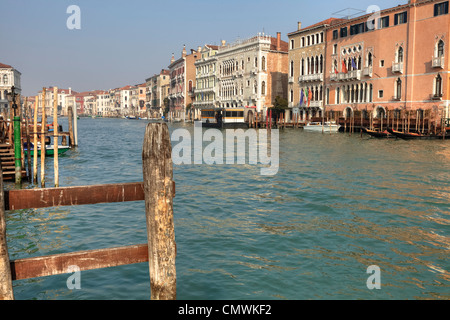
pixel 410 135
pixel 378 134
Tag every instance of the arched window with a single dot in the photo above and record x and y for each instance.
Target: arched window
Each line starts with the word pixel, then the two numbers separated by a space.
pixel 302 71
pixel 263 64
pixel 369 59
pixel 292 68
pixel 256 62
pixel 338 93
pixel 400 54
pixel 438 86
pixel 263 88
pixel 5 79
pixel 440 49
pixel 321 64
pixel 292 96
pixel 398 89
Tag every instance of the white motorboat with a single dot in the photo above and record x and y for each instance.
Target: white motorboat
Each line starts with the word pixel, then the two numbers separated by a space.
pixel 326 127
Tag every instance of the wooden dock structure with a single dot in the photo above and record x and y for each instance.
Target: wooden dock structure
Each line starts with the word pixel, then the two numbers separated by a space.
pixel 429 122
pixel 157 190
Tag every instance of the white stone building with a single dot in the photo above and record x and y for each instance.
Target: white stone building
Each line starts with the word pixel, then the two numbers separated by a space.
pixel 9 77
pixel 206 79
pixel 252 72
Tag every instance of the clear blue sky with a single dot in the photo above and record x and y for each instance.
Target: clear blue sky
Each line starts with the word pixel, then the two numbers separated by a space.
pixel 124 42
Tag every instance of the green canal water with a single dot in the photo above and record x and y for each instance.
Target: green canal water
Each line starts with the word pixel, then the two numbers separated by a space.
pixel 338 205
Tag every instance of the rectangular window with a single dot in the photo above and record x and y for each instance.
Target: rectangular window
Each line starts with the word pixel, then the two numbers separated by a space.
pixel 440 8
pixel 343 32
pixel 357 28
pixel 401 18
pixel 383 22
pixel 380 94
pixel 335 34
pixel 381 63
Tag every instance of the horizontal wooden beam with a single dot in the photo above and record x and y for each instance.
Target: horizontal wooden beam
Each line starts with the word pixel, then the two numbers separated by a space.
pixel 84 260
pixel 73 196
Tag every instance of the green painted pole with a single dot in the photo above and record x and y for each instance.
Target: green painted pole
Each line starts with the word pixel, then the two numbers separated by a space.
pixel 17 152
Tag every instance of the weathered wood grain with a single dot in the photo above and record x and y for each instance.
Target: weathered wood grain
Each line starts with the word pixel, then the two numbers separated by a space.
pixel 159 192
pixel 6 287
pixel 84 260
pixel 71 196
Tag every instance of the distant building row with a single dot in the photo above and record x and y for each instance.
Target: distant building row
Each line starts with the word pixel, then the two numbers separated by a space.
pixel 395 59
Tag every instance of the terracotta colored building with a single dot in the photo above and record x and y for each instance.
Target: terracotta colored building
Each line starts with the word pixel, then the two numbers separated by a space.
pixel 182 82
pixel 396 60
pixel 306 69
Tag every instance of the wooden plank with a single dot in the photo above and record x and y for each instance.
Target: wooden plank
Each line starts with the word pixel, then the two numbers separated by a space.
pixel 73 196
pixel 159 192
pixel 6 287
pixel 85 260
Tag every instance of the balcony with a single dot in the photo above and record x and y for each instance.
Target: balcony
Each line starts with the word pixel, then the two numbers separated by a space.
pixel 397 67
pixel 311 77
pixel 436 96
pixel 316 104
pixel 349 76
pixel 438 62
pixel 368 71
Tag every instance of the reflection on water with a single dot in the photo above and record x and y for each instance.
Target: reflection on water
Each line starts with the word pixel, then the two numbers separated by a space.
pixel 338 204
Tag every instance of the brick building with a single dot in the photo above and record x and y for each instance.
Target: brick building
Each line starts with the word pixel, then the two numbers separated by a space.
pixel 182 83
pixel 395 60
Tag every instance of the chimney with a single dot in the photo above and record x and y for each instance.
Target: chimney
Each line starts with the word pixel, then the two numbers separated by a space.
pixel 278 41
pixel 70 90
pixel 299 25
pixel 172 60
pixel 183 53
pixel 223 43
pixel 199 49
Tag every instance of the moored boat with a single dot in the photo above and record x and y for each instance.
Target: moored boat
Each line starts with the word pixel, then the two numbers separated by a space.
pixel 49 150
pixel 378 134
pixel 410 135
pixel 319 127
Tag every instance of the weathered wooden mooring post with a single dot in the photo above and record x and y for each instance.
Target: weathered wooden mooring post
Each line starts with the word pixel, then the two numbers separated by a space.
pixel 157 190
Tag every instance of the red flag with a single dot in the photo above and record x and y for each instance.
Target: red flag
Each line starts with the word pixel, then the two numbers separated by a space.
pixel 309 96
pixel 344 67
pixel 336 70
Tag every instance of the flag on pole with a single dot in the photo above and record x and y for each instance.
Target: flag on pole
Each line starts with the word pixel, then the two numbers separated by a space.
pixel 344 67
pixel 306 96
pixel 353 64
pixel 309 96
pixel 301 97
